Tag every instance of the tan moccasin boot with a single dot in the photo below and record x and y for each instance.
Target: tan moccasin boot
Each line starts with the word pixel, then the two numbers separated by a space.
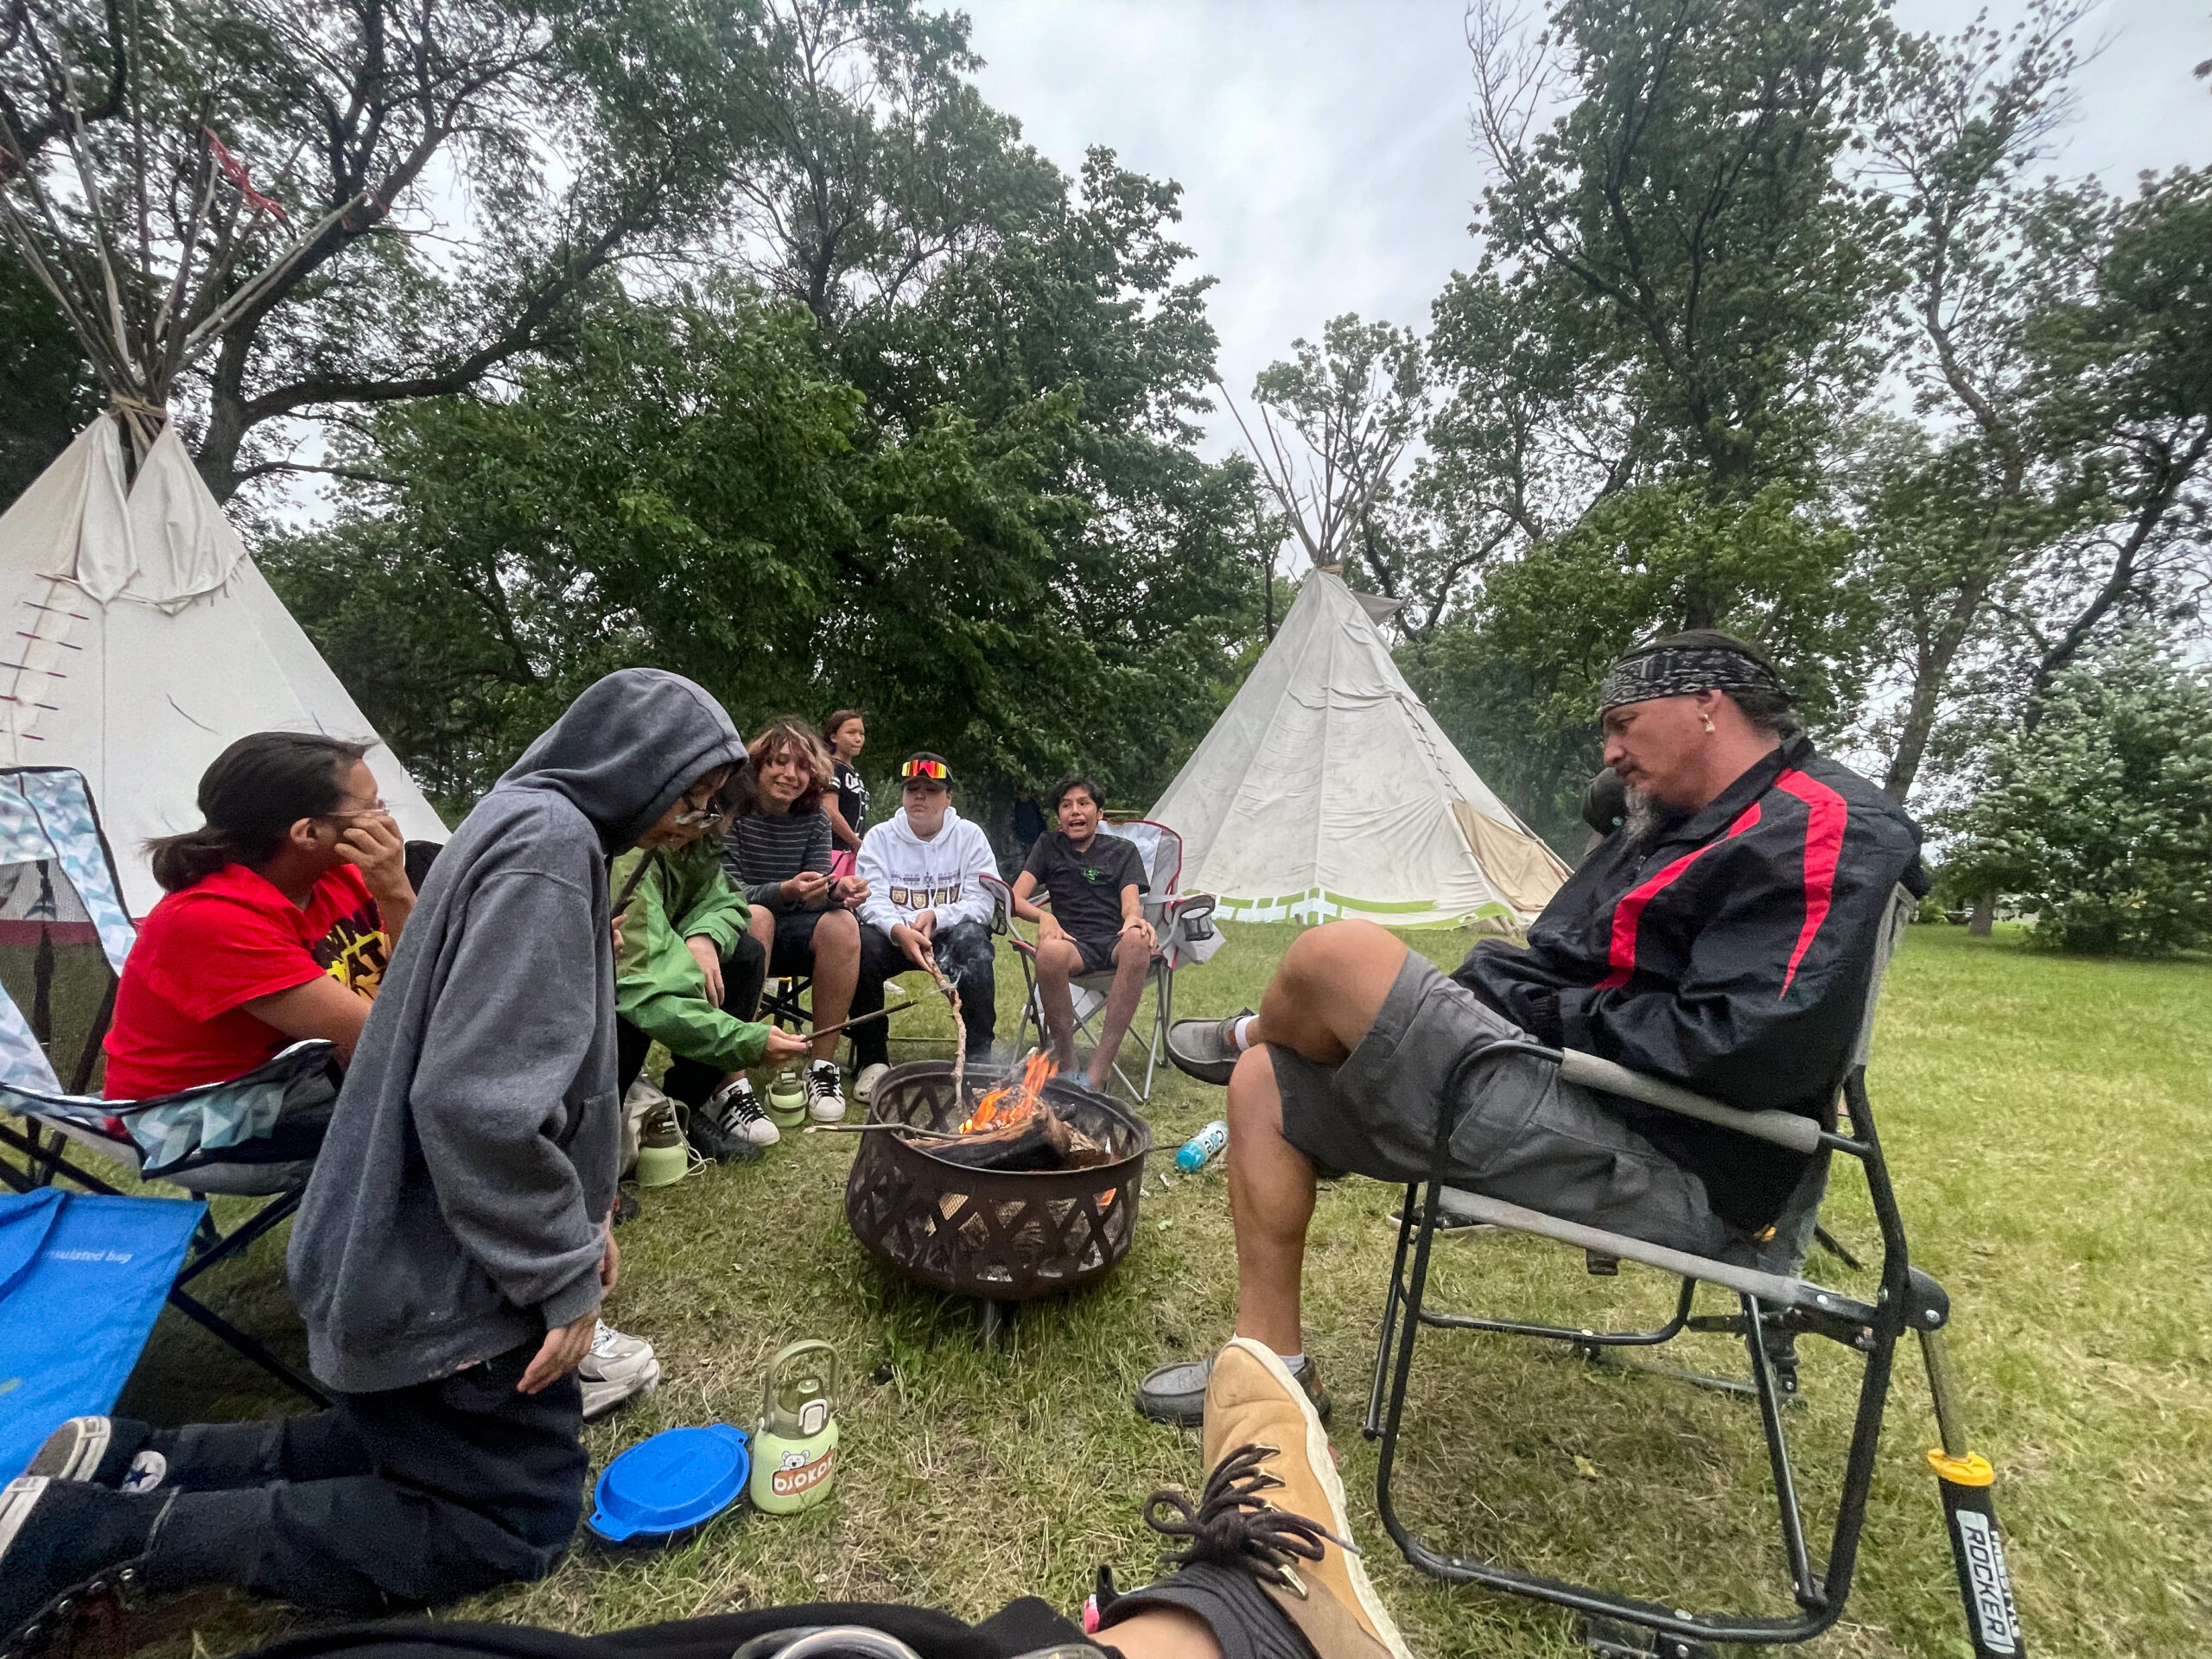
pixel 1260 1428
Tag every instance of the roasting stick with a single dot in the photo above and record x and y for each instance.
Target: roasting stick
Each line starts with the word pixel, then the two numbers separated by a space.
pixel 870 1128
pixel 863 1019
pixel 959 1040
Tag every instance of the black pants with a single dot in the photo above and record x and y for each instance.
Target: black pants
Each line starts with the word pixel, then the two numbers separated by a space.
pixel 745 969
pixel 964 952
pixel 407 1497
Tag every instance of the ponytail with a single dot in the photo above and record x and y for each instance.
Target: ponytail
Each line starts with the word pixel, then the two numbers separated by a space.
pixel 250 796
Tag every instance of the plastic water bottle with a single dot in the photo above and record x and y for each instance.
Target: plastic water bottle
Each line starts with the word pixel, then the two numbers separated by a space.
pixel 1202 1148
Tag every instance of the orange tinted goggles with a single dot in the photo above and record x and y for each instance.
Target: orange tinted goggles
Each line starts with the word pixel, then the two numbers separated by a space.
pixel 936 769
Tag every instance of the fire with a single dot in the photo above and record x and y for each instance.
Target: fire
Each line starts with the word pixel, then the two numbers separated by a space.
pixel 1007 1105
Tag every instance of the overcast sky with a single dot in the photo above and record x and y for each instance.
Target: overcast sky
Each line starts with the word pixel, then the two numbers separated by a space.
pixel 1323 147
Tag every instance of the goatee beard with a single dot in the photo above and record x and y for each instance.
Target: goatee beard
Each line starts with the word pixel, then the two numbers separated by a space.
pixel 1644 818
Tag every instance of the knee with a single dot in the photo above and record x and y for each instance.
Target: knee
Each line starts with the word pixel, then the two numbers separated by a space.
pixel 1315 952
pixel 837 935
pixel 1131 953
pixel 1255 1105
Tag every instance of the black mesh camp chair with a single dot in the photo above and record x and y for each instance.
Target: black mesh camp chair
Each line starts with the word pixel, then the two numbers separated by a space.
pixel 1775 1304
pixel 64 935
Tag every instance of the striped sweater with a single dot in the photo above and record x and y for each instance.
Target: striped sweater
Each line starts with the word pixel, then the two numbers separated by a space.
pixel 763 851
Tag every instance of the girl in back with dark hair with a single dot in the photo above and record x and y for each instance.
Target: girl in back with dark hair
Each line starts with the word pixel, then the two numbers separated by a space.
pixel 845 735
pixel 282 911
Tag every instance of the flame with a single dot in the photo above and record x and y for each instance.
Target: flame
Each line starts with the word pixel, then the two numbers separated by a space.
pixel 1007 1105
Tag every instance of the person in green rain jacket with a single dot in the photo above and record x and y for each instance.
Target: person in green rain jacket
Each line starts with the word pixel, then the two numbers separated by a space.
pixel 687 975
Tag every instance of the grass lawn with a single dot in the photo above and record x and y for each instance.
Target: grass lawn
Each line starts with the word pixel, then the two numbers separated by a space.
pixel 2046 1120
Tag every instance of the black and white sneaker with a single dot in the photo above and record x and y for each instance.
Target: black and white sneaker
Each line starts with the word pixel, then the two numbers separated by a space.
pixel 702 1128
pixel 109 1451
pixel 826 1092
pixel 737 1110
pixel 66 1545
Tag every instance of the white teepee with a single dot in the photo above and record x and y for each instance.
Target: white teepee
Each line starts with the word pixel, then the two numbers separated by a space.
pixel 143 641
pixel 1325 789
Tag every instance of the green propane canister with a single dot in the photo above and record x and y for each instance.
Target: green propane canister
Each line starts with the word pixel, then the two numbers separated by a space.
pixel 786 1101
pixel 795 1446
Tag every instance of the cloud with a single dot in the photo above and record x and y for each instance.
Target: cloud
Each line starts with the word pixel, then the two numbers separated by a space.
pixel 1324 151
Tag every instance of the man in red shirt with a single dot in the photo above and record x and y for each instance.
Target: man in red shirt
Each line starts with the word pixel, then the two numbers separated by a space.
pixel 281 914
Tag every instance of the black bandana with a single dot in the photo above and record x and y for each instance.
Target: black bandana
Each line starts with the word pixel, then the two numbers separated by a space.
pixel 1679 670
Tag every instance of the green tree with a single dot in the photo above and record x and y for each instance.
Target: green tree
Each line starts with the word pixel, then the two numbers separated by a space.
pixel 1685 223
pixel 413 148
pixel 1353 406
pixel 46 389
pixel 1516 678
pixel 1008 553
pixel 2102 820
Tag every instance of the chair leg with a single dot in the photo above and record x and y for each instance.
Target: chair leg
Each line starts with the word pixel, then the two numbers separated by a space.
pixel 223 1245
pixel 1807 1586
pixel 1371 1427
pixel 1409 1328
pixel 246 1346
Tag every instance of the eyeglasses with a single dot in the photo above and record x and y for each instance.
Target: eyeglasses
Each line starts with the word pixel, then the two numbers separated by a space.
pixel 702 804
pixel 936 769
pixel 371 810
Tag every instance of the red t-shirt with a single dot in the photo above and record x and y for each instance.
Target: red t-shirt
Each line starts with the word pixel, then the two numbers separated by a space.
pixel 225 941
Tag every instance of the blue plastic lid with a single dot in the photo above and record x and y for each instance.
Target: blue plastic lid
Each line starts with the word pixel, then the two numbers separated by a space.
pixel 676 1480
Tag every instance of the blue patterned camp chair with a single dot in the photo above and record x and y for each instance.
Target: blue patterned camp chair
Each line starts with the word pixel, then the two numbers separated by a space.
pixel 64 935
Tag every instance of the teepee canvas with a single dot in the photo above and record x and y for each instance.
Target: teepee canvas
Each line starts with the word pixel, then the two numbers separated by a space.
pixel 1326 789
pixel 143 641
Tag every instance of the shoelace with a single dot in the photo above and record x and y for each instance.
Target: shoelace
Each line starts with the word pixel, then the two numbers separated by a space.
pixel 822 1085
pixel 739 1106
pixel 1231 1525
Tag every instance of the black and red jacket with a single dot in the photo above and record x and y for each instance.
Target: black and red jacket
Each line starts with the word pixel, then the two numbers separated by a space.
pixel 1730 953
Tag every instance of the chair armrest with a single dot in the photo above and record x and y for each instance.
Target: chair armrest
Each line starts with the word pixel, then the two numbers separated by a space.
pixel 1002 916
pixel 1781 1128
pixel 1178 906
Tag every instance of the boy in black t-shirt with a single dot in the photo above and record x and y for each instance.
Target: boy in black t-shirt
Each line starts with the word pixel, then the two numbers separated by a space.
pixel 1096 923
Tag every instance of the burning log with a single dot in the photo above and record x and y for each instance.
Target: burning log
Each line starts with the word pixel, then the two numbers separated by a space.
pixel 1039 1140
pixel 1012 1127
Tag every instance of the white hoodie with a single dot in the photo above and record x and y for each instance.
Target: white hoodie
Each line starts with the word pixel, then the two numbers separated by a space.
pixel 907 875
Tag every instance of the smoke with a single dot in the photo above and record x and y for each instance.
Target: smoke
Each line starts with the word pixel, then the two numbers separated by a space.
pixel 962 948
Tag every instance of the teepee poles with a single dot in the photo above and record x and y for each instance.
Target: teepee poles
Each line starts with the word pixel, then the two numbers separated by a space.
pixel 96 249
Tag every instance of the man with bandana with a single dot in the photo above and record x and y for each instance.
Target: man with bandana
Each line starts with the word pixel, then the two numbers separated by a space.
pixel 1720 934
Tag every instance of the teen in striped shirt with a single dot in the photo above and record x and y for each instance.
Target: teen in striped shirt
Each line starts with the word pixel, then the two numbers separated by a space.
pixel 778 850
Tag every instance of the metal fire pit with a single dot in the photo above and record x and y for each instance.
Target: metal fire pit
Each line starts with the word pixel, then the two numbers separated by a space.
pixel 1003 1236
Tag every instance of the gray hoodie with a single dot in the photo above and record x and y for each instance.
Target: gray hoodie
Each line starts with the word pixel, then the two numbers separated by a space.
pixel 454 1208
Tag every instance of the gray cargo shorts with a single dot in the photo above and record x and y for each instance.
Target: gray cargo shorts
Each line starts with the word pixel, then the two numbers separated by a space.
pixel 1522 1136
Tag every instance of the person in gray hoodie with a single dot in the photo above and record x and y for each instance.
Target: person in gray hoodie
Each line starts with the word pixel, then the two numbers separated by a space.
pixel 453 1248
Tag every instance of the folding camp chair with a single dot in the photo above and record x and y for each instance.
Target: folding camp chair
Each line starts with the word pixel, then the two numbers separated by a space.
pixel 1776 1305
pixel 63 939
pixel 1185 935
pixel 82 1277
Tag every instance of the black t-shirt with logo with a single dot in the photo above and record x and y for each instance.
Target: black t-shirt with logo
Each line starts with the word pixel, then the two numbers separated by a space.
pixel 1086 886
pixel 852 794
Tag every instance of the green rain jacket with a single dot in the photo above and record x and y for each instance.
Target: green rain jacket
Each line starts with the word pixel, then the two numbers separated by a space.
pixel 683 894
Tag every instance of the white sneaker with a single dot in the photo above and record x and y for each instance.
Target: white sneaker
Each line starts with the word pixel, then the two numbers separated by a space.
pixel 826 1092
pixel 864 1085
pixel 735 1107
pixel 617 1368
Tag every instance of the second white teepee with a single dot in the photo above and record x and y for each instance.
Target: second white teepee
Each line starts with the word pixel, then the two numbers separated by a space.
pixel 141 642
pixel 1326 789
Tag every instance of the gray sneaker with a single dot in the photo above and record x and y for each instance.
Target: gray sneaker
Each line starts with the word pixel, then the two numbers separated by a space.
pixel 1177 1394
pixel 1206 1049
